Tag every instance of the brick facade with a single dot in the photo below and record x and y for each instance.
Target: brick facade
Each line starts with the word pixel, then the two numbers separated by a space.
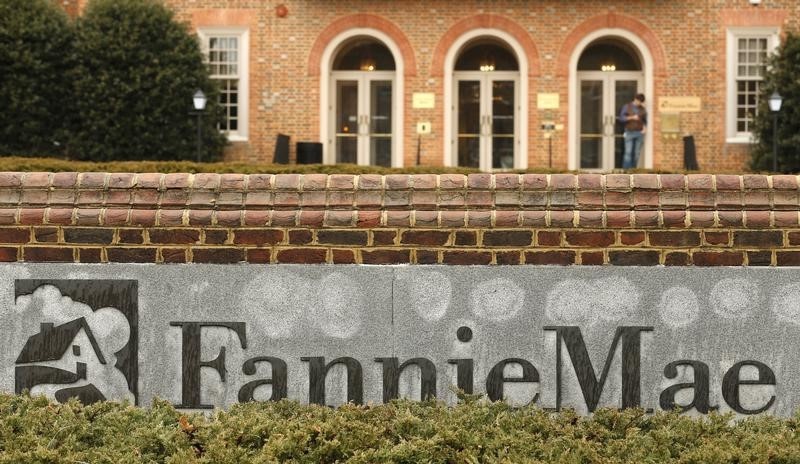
pixel 686 40
pixel 562 219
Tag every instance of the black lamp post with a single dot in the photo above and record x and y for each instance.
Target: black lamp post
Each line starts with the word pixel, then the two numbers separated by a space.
pixel 775 102
pixel 199 100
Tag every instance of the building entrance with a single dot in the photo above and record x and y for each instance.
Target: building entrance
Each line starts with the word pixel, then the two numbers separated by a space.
pixel 486 106
pixel 363 122
pixel 486 120
pixel 609 76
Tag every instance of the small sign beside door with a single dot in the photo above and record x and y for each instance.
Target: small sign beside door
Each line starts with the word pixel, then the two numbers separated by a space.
pixel 423 100
pixel 679 104
pixel 670 123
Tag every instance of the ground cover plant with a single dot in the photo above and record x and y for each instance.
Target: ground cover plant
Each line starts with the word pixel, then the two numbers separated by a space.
pixel 26 164
pixel 33 430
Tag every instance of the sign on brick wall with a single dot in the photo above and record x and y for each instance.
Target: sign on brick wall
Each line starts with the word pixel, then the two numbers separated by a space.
pixel 204 336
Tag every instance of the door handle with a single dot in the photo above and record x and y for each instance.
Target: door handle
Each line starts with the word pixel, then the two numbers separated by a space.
pixel 363 122
pixel 486 125
pixel 608 126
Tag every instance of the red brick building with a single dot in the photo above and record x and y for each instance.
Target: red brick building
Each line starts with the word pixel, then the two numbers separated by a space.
pixel 484 80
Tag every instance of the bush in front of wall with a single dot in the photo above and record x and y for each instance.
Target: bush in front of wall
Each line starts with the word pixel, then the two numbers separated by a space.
pixel 137 71
pixel 24 164
pixel 36 73
pixel 475 431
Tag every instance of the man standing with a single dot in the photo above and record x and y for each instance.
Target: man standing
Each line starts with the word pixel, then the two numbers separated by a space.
pixel 634 116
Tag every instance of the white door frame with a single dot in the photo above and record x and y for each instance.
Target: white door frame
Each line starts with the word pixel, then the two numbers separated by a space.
pixel 486 79
pixel 363 79
pixel 646 57
pixel 327 98
pixel 450 155
pixel 609 109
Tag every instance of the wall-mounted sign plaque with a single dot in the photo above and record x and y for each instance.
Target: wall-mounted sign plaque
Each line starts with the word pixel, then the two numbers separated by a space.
pixel 423 100
pixel 547 101
pixel 679 104
pixel 203 336
pixel 670 123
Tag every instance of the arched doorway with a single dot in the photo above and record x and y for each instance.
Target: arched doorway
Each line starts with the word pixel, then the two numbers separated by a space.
pixel 609 74
pixel 363 116
pixel 486 97
pixel 478 64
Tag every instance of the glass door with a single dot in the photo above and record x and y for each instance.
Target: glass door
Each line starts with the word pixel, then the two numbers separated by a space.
pixel 624 91
pixel 592 118
pixel 363 119
pixel 486 120
pixel 379 135
pixel 470 122
pixel 503 127
pixel 600 135
pixel 348 121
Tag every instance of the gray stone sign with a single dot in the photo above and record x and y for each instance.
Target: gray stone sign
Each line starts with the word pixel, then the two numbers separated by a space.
pixel 204 336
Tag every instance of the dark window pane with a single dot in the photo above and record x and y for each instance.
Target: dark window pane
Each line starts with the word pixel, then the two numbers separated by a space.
pixel 486 53
pixel 469 152
pixel 381 151
pixel 503 152
pixel 469 107
pixel 609 52
pixel 364 54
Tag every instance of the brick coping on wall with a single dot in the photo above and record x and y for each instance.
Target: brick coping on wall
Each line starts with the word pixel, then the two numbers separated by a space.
pixel 587 219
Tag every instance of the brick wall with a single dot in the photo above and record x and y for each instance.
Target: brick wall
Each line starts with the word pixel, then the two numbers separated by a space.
pixel 685 37
pixel 589 219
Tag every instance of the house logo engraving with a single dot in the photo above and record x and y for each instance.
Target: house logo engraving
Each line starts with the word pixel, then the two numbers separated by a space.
pixel 86 346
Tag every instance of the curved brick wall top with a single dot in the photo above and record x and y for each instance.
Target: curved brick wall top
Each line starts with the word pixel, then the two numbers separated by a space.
pixel 449 200
pixel 453 219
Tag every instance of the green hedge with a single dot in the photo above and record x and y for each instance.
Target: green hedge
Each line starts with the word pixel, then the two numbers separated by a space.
pixel 37 67
pixel 32 430
pixel 137 70
pixel 781 76
pixel 25 164
pixel 16 163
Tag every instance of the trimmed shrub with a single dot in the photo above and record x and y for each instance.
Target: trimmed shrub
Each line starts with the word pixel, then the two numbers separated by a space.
pixel 57 165
pixel 138 69
pixel 34 430
pixel 12 163
pixel 36 62
pixel 781 76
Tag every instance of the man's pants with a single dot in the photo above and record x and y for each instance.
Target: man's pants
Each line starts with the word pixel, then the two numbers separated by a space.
pixel 633 148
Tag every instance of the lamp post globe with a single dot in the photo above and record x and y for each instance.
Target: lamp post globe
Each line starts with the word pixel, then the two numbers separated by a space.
pixel 199 101
pixel 775 101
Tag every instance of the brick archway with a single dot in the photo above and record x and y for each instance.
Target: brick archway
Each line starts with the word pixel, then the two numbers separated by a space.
pixel 356 21
pixel 484 21
pixel 654 69
pixel 611 21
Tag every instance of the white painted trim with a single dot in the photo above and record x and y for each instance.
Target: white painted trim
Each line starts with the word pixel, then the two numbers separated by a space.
pixel 740 139
pixel 326 65
pixel 204 33
pixel 486 79
pixel 521 155
pixel 609 93
pixel 731 34
pixel 647 68
pixel 363 80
